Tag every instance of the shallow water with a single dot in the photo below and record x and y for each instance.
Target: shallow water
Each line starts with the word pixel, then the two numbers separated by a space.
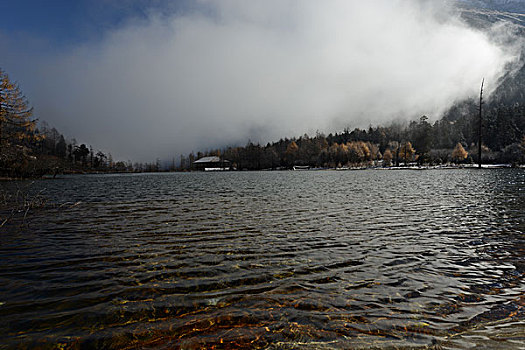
pixel 324 259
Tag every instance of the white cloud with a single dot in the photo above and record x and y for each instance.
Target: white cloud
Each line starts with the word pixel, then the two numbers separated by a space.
pixel 263 70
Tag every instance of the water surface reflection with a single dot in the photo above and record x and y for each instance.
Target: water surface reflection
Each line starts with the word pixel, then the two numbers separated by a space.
pixel 267 259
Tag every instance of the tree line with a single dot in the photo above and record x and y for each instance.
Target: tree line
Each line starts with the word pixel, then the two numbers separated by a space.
pixel 451 139
pixel 30 149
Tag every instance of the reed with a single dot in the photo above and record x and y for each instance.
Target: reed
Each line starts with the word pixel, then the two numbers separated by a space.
pixel 19 202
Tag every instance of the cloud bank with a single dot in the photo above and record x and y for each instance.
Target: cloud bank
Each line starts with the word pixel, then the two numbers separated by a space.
pixel 232 70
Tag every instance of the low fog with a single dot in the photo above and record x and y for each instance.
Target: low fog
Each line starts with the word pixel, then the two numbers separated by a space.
pixel 226 72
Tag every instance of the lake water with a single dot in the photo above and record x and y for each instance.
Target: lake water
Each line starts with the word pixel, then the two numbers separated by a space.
pixel 279 260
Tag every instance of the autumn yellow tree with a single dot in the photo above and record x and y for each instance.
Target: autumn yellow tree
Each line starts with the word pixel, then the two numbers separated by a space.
pixel 459 154
pixel 354 152
pixel 17 129
pixel 406 152
pixel 387 157
pixel 394 146
pixel 364 151
pixel 15 114
pixel 291 153
pixel 375 154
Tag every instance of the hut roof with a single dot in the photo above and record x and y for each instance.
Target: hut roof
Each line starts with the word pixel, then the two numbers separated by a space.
pixel 213 159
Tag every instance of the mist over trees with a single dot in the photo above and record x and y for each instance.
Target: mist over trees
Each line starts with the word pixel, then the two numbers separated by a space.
pixel 451 139
pixel 28 149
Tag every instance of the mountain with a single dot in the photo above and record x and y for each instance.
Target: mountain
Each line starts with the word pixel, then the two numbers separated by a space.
pixel 512 6
pixel 483 14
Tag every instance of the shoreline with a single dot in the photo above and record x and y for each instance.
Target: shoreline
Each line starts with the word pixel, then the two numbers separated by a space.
pixel 391 168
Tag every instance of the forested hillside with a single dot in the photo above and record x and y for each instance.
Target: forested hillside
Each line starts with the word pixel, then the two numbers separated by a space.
pixel 424 142
pixel 419 141
pixel 32 149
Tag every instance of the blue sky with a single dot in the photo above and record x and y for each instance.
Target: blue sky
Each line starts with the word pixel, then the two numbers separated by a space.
pixel 69 22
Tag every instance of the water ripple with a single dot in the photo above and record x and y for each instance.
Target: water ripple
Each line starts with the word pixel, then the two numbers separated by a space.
pixel 268 260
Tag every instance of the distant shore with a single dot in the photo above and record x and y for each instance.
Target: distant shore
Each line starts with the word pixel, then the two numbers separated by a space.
pixel 410 167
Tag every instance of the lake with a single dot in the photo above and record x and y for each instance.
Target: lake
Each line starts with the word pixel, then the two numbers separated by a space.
pixel 279 260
